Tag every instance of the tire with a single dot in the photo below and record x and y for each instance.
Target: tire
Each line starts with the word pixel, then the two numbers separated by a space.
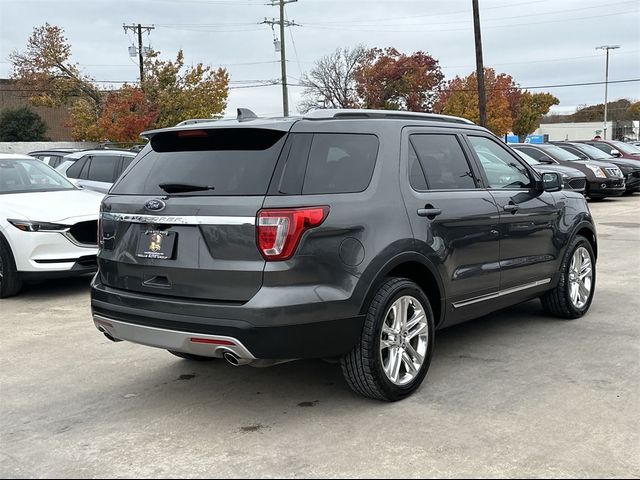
pixel 364 367
pixel 10 283
pixel 559 302
pixel 189 356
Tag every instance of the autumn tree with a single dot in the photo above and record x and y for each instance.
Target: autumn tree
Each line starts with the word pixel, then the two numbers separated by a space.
pixel 170 93
pixel 388 79
pixel 460 98
pixel 331 82
pixel 45 73
pixel 180 92
pixel 528 112
pixel 21 125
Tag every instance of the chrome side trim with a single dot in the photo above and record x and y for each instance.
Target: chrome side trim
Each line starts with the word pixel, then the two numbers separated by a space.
pixel 178 220
pixel 501 293
pixel 170 339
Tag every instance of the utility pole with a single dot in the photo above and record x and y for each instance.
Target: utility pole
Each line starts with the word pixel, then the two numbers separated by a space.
pixel 482 98
pixel 283 55
pixel 606 84
pixel 138 29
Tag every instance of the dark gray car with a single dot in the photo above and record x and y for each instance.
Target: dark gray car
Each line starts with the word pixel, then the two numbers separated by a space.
pixel 344 234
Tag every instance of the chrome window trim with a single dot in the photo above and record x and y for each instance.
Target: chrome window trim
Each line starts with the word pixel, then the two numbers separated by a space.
pixel 501 293
pixel 178 219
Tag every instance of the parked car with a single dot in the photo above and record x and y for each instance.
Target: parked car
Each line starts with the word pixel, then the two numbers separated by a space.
pixel 616 148
pixel 96 169
pixel 48 227
pixel 54 156
pixel 603 179
pixel 630 169
pixel 351 234
pixel 572 179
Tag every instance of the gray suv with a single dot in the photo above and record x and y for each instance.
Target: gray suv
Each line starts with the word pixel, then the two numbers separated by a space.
pixel 348 234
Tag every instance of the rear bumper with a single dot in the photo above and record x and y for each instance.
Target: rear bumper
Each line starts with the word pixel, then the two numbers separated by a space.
pixel 156 322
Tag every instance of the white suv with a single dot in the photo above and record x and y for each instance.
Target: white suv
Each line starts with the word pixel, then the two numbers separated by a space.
pixel 48 226
pixel 95 169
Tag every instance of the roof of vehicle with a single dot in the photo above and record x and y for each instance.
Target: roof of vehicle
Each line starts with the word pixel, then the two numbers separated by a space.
pixel 247 119
pixel 82 153
pixel 530 145
pixel 15 156
pixel 55 150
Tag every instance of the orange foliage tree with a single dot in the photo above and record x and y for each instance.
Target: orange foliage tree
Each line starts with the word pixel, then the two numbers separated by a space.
pixel 460 98
pixel 390 80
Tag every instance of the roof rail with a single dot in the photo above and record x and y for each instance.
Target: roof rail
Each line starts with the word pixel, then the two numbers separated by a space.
pixel 386 114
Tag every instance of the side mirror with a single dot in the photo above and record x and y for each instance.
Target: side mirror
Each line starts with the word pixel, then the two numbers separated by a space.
pixel 615 153
pixel 551 182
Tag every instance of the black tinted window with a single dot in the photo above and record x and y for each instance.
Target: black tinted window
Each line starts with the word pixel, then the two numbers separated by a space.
pixel 443 162
pixel 417 179
pixel 233 161
pixel 501 168
pixel 102 168
pixel 74 170
pixel 126 161
pixel 340 163
pixel 535 153
pixel 293 174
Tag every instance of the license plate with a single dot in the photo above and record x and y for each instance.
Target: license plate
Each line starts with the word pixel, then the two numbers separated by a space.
pixel 156 244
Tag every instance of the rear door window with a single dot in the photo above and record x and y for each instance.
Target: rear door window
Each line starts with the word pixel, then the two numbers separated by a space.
pixel 75 170
pixel 340 163
pixel 233 161
pixel 103 168
pixel 443 161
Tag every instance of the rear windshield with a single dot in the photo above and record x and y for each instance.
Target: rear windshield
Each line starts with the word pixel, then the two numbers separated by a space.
pixel 233 161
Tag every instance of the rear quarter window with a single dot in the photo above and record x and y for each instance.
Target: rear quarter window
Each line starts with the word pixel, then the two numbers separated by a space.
pixel 340 163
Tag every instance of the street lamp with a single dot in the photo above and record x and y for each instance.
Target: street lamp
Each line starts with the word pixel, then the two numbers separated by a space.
pixel 606 83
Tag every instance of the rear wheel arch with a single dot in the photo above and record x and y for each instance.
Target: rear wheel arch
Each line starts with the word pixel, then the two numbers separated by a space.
pixel 417 268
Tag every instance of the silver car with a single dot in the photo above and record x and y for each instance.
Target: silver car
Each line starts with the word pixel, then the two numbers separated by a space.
pixel 95 169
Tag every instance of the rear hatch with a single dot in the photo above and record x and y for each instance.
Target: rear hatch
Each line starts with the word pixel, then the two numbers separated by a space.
pixel 181 221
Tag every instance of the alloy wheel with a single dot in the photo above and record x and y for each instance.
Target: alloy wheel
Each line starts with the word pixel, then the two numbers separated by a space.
pixel 404 340
pixel 580 278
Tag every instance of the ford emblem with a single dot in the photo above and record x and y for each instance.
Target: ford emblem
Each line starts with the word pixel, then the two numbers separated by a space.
pixel 155 205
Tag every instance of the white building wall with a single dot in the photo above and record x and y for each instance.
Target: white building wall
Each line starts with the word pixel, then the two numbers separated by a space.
pixel 573 131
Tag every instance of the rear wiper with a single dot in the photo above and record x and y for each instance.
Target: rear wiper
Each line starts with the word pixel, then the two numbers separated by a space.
pixel 184 187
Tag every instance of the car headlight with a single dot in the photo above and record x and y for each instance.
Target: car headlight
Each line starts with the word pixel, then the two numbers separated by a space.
pixel 31 226
pixel 597 171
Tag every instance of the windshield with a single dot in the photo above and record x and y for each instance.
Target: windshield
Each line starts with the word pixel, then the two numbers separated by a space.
pixel 25 176
pixel 528 158
pixel 593 152
pixel 559 153
pixel 626 147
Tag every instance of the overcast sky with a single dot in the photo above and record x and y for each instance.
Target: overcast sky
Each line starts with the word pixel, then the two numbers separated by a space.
pixel 538 42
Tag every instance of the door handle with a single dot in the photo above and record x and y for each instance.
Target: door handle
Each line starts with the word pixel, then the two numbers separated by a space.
pixel 511 208
pixel 429 211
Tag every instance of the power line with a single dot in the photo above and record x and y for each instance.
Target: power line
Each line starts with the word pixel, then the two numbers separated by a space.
pixel 282 23
pixel 138 29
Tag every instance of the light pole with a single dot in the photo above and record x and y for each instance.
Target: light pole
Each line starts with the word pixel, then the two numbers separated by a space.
pixel 606 83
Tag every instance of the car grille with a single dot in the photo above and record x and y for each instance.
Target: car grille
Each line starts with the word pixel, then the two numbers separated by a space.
pixel 85 233
pixel 613 172
pixel 578 184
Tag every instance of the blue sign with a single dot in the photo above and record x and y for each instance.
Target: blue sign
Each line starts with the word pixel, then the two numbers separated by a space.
pixel 529 139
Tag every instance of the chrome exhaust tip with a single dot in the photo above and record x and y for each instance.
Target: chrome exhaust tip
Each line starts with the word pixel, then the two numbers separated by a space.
pixel 235 360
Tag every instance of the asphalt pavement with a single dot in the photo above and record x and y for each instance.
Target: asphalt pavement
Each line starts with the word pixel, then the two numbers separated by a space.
pixel 514 394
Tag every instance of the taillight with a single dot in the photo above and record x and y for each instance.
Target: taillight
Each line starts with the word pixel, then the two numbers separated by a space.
pixel 278 230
